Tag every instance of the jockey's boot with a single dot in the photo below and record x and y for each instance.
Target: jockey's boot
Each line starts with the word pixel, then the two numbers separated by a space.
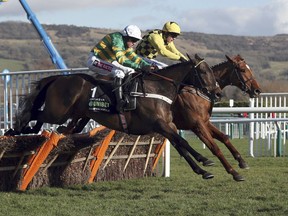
pixel 118 94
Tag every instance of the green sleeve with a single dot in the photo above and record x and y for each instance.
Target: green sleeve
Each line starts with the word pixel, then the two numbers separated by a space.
pixel 126 57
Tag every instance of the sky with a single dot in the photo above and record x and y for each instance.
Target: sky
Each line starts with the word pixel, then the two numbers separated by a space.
pixel 231 17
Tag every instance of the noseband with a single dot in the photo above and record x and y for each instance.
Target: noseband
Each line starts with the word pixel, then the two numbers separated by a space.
pixel 237 71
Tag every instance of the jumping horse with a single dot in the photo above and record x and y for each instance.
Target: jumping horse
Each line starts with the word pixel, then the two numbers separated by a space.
pixel 196 110
pixel 235 72
pixel 66 96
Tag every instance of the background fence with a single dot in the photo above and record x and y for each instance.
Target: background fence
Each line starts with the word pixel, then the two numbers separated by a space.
pixel 264 123
pixel 16 84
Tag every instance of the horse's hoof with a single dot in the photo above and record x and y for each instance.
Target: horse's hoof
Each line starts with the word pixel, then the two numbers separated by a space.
pixel 27 130
pixel 61 129
pixel 238 178
pixel 10 132
pixel 208 163
pixel 207 175
pixel 244 165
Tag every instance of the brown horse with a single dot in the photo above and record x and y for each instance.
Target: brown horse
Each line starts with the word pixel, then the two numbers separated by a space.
pixel 235 72
pixel 68 96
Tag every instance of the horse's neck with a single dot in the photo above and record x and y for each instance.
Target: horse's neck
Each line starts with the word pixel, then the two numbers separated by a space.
pixel 168 77
pixel 222 73
pixel 176 72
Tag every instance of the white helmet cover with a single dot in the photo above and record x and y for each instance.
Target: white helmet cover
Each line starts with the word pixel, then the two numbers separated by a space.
pixel 132 31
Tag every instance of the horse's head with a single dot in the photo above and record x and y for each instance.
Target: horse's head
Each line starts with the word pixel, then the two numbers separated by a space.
pixel 203 78
pixel 244 78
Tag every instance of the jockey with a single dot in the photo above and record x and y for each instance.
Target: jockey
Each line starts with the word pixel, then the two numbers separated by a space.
pixel 115 57
pixel 161 42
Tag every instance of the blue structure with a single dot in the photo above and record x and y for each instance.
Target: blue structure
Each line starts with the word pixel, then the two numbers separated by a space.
pixel 54 55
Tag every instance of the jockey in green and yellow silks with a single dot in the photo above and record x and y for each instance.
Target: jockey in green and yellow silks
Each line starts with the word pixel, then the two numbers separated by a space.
pixel 112 48
pixel 115 57
pixel 161 42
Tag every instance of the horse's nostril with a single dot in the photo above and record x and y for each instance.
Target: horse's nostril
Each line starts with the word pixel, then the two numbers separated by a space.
pixel 218 95
pixel 257 91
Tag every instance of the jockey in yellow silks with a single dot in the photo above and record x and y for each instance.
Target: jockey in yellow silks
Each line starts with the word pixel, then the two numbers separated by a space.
pixel 161 42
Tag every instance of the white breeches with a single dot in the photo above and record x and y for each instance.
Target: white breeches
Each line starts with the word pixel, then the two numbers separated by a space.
pixel 102 67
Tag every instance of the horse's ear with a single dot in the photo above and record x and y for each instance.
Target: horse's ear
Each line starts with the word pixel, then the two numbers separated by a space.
pixel 198 57
pixel 240 57
pixel 188 56
pixel 228 58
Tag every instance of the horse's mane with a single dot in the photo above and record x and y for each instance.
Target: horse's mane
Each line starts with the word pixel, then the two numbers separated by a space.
pixel 236 58
pixel 219 64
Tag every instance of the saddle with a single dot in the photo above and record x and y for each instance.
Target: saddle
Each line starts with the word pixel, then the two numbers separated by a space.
pixel 102 98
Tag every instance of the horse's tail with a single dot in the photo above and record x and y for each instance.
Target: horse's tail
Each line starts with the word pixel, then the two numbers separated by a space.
pixel 36 98
pixel 40 90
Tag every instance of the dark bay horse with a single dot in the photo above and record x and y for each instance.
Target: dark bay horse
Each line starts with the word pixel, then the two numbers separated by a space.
pixel 235 72
pixel 68 96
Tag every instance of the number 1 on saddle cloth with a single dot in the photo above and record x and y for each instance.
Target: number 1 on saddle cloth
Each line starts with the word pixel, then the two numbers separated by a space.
pixel 99 103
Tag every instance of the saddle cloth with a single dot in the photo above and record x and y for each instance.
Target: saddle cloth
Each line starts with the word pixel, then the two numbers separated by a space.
pixel 101 102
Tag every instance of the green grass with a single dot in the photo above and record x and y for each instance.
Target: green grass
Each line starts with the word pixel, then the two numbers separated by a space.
pixel 265 192
pixel 11 65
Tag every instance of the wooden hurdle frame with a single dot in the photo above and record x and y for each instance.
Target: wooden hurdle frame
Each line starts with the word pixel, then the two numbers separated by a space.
pixel 95 160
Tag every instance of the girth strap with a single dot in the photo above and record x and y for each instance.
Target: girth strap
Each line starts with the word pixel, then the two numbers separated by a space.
pixel 123 122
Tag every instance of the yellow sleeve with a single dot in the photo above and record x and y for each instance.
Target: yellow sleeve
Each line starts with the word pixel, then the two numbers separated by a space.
pixel 158 43
pixel 173 49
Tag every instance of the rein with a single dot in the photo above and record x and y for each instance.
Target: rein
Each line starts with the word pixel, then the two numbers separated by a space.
pixel 171 80
pixel 199 63
pixel 163 77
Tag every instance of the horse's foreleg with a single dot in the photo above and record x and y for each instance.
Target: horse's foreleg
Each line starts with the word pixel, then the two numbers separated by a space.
pixel 180 144
pixel 217 134
pixel 204 134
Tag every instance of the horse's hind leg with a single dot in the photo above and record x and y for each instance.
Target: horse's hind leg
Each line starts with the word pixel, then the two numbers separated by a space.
pixel 80 125
pixel 69 128
pixel 217 134
pixel 199 157
pixel 180 144
pixel 184 153
pixel 35 129
pixel 74 126
pixel 22 120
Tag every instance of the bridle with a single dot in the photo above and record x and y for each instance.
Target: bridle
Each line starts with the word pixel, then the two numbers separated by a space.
pixel 237 71
pixel 202 87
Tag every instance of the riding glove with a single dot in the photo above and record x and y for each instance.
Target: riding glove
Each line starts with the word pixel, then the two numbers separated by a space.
pixel 182 59
pixel 146 69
